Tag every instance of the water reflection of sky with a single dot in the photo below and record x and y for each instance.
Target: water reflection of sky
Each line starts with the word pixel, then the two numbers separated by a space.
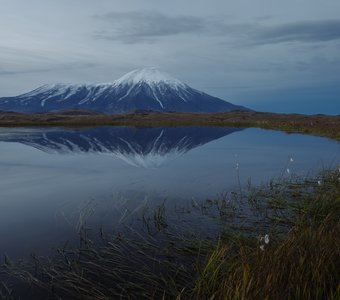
pixel 41 191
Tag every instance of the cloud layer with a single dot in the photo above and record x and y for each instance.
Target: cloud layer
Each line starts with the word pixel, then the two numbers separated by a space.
pixel 307 31
pixel 145 26
pixel 149 26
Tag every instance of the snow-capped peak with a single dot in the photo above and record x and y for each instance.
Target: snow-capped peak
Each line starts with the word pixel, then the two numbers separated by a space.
pixel 144 89
pixel 150 75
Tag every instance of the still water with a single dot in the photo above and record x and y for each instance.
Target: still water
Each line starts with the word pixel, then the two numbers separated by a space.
pixel 48 175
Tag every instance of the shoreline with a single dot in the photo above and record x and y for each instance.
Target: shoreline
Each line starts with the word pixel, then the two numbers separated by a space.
pixel 320 125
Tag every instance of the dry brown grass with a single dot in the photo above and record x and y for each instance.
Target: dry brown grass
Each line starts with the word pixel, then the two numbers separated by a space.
pixel 316 124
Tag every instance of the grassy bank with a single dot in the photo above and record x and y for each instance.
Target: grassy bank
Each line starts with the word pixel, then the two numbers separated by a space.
pixel 302 263
pixel 317 124
pixel 293 253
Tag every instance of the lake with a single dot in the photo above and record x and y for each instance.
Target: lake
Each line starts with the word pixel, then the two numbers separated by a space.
pixel 52 180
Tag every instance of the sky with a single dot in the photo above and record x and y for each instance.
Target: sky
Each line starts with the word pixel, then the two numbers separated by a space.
pixel 281 56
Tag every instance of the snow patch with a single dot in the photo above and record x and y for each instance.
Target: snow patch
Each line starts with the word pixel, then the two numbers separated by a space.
pixel 151 76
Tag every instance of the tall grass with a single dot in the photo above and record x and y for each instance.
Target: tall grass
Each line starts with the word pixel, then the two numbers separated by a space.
pixel 302 264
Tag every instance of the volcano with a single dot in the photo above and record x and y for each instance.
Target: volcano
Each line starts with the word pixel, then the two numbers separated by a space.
pixel 143 89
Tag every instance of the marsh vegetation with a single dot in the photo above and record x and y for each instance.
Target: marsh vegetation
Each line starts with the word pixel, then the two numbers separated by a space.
pixel 289 251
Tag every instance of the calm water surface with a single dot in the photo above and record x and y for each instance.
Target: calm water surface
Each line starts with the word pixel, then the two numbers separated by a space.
pixel 49 177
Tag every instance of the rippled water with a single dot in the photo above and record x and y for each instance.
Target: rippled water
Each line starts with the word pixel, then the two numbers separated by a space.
pixel 51 176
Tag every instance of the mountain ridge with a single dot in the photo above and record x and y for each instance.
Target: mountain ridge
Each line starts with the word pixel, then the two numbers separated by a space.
pixel 141 89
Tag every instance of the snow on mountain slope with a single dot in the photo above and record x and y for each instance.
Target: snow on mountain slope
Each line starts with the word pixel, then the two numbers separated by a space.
pixel 151 76
pixel 144 89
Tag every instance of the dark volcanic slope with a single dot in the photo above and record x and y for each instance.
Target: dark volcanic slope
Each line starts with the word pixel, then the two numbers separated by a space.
pixel 143 89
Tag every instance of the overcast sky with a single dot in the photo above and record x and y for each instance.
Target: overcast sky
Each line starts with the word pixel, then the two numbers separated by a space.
pixel 267 54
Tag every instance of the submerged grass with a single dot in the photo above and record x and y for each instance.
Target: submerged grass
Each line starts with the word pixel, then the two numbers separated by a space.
pixel 293 254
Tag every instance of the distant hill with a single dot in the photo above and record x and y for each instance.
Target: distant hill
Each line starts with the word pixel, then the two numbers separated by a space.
pixel 145 89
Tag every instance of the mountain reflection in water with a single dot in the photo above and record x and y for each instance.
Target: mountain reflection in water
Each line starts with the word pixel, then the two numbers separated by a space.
pixel 140 147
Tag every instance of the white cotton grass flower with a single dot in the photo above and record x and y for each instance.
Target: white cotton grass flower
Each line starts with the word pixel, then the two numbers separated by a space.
pixel 291 159
pixel 266 239
pixel 237 166
pixel 288 170
pixel 319 182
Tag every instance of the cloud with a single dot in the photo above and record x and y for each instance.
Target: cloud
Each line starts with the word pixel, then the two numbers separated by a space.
pixel 147 26
pixel 303 32
pixel 16 72
pixel 51 68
